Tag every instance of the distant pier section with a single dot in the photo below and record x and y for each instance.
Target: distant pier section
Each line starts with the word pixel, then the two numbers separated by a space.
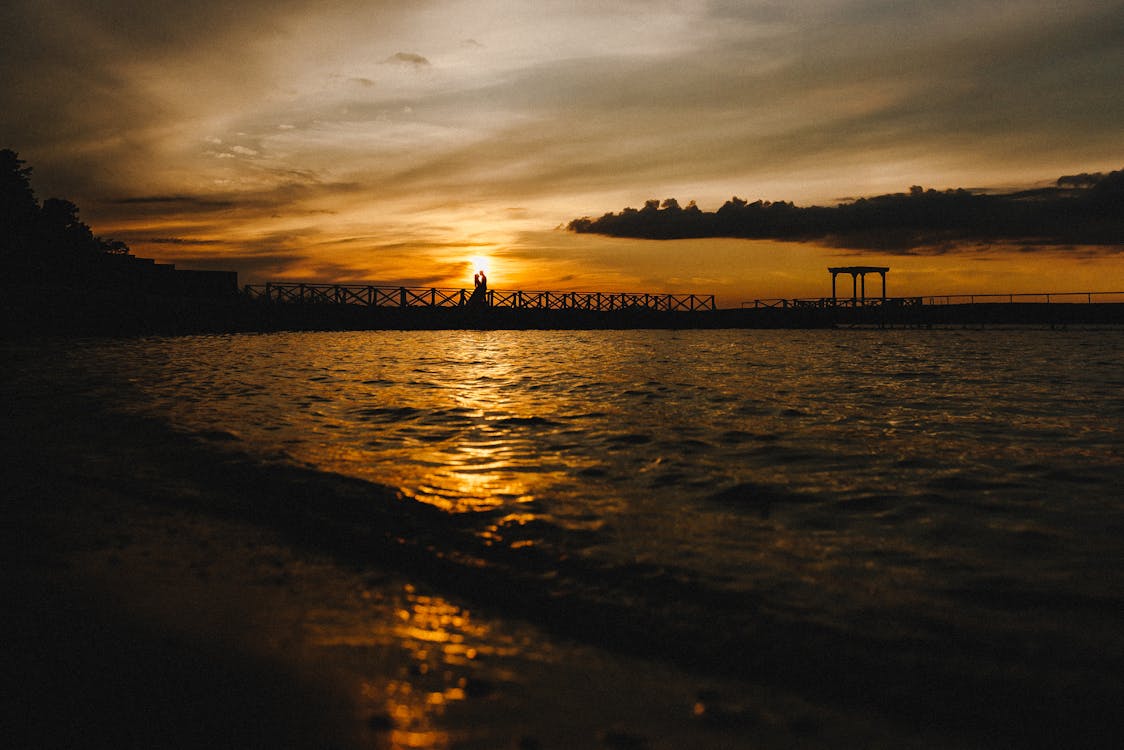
pixel 862 309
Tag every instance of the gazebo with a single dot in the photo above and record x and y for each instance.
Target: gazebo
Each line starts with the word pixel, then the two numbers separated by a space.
pixel 858 273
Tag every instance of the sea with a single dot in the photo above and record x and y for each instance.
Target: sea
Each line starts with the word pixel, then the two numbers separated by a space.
pixel 927 522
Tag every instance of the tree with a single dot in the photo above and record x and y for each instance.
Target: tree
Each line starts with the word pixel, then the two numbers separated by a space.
pixel 66 240
pixel 18 208
pixel 36 241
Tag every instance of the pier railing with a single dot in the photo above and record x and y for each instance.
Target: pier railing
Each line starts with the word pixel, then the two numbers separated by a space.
pixel 1042 297
pixel 380 296
pixel 828 302
pixel 938 299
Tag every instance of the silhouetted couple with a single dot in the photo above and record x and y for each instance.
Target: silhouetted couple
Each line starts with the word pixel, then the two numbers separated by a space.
pixel 479 296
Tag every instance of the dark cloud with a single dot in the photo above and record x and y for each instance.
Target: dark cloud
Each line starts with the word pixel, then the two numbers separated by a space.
pixel 177 203
pixel 1080 210
pixel 407 58
pixel 265 256
pixel 251 268
pixel 436 274
pixel 179 241
pixel 288 197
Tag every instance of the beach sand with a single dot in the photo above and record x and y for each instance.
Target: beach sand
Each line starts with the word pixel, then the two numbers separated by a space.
pixel 149 606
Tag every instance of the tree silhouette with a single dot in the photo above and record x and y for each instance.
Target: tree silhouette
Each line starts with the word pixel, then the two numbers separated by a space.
pixel 38 243
pixel 19 211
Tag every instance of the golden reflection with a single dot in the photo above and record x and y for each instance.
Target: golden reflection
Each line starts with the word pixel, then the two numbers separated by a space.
pixel 480 466
pixel 400 738
pixel 461 431
pixel 423 652
pixel 496 533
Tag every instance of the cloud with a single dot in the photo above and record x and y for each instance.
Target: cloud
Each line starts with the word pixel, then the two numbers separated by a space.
pixel 1081 210
pixel 407 58
pixel 250 267
pixel 178 241
pixel 177 203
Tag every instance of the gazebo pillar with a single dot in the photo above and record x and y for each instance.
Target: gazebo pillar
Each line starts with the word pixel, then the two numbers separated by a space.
pixel 858 286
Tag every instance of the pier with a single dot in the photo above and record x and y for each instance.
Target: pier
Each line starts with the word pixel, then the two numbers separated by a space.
pixel 931 300
pixel 406 297
pixel 296 305
pixel 1044 308
pixel 1052 309
pixel 285 305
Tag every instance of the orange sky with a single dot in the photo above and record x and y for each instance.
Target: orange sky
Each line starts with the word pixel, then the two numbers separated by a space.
pixel 392 142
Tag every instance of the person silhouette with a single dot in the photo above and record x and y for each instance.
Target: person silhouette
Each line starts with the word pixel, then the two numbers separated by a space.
pixel 479 296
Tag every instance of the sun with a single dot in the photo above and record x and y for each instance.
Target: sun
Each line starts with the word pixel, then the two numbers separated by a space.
pixel 479 263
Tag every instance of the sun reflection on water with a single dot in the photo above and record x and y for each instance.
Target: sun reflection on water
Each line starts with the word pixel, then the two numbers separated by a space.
pixel 463 446
pixel 470 476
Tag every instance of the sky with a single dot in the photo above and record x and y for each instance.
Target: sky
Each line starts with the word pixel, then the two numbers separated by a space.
pixel 412 142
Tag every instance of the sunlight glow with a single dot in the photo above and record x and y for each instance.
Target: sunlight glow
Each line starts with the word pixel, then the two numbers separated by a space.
pixel 480 263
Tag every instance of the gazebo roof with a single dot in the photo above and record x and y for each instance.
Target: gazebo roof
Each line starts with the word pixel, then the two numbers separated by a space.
pixel 859 269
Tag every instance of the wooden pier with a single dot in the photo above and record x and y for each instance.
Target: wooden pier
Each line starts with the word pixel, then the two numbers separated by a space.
pixel 298 306
pixel 404 297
